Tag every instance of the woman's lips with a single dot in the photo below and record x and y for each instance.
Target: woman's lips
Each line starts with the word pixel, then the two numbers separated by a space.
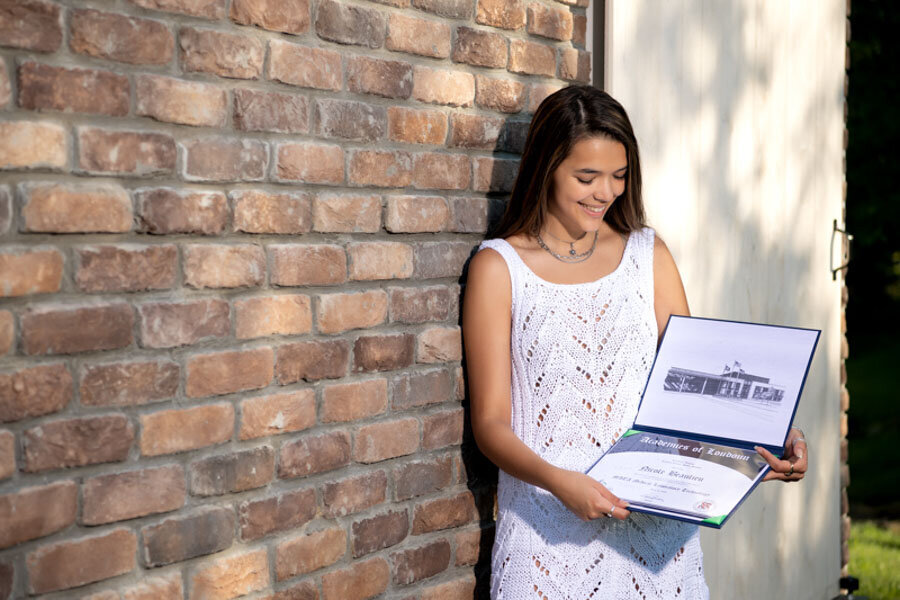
pixel 593 210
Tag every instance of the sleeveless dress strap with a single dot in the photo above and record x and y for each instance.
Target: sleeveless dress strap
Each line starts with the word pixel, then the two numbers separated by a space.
pixel 513 263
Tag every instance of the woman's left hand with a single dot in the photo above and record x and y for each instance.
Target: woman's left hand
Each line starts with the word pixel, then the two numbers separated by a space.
pixel 793 466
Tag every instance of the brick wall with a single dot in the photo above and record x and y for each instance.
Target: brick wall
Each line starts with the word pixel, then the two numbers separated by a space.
pixel 232 239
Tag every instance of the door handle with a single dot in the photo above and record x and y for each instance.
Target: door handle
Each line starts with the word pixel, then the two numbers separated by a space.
pixel 845 249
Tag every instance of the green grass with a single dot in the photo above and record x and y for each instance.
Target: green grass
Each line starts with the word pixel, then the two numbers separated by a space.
pixel 875 558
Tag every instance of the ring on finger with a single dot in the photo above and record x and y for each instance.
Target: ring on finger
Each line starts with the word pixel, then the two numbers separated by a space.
pixel 612 510
pixel 791 472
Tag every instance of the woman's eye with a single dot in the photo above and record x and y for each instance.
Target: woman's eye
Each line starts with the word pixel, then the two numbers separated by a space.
pixel 583 181
pixel 619 177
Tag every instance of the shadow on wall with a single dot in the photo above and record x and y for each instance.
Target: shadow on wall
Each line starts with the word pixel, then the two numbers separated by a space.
pixel 738 150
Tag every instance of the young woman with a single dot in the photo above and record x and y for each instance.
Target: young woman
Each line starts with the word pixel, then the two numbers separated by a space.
pixel 562 315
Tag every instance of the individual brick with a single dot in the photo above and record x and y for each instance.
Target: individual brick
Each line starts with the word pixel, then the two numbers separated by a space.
pixel 34 391
pixel 480 48
pixel 26 271
pixel 418 36
pixel 223 159
pixel 494 174
pixel 270 111
pixel 460 384
pixel 77 442
pixel 126 268
pixel 359 581
pixel 291 16
pixel 223 54
pixel 57 330
pixel 355 310
pixel 386 78
pixel 380 168
pixel 5 209
pixel 204 531
pixel 441 259
pixel 224 265
pixel 311 361
pixel 379 532
pixel 416 214
pixel 474 131
pixel 7 456
pixel 443 429
pixel 443 86
pixel 260 517
pixel 130 152
pixel 417 126
pixel 120 38
pixel 307 264
pixel 178 430
pixel 441 171
pixel 390 439
pixel 351 401
pixel 303 590
pixel 45 87
pixel 304 66
pixel 470 215
pixel 276 414
pixel 551 22
pixel 354 494
pixel 461 588
pixel 350 120
pixel 538 92
pixel 451 9
pixel 31 25
pixel 229 372
pixel 274 315
pixel 232 473
pixel 531 58
pixel 383 352
pixel 181 102
pixel 76 208
pixel 314 454
pixel 5 86
pixel 444 513
pixel 505 14
pixel 310 163
pixel 513 136
pixel 73 563
pixel 165 211
pixel 473 546
pixel 380 260
pixel 119 496
pixel 209 9
pixel 419 389
pixel 420 563
pixel 37 511
pixel 332 213
pixel 504 95
pixel 309 552
pixel 419 305
pixel 29 144
pixel 165 587
pixel 421 477
pixel 129 383
pixel 575 65
pixel 347 24
pixel 172 324
pixel 231 576
pixel 579 30
pixel 439 344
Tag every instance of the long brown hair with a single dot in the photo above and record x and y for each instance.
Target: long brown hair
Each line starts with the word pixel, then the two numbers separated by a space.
pixel 562 119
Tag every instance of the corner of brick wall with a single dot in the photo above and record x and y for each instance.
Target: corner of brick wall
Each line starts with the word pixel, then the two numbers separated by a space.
pixel 845 348
pixel 233 234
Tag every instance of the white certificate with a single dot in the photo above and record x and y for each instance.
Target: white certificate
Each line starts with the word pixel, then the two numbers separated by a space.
pixel 679 477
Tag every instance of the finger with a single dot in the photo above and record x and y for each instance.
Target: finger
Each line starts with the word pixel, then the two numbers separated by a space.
pixel 799 449
pixel 615 500
pixel 779 465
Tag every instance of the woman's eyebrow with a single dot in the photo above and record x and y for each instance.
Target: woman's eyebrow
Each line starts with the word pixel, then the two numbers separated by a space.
pixel 590 171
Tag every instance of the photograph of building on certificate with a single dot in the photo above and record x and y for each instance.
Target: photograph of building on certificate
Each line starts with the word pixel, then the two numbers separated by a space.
pixel 727 379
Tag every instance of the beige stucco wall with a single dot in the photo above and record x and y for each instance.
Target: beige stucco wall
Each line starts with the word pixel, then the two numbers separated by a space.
pixel 738 108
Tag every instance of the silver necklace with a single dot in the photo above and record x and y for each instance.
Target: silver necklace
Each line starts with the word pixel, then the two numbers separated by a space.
pixel 572 257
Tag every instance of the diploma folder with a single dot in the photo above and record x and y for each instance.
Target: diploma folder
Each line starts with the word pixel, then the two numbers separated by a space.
pixel 715 391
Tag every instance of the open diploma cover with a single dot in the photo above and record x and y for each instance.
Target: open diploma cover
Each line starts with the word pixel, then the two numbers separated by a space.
pixel 716 390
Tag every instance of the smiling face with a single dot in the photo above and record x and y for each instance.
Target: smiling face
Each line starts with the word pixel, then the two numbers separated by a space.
pixel 585 185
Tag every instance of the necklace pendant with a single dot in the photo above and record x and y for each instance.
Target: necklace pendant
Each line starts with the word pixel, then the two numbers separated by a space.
pixel 572 251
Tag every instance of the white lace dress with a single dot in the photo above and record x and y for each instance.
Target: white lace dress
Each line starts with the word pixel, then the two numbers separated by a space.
pixel 580 356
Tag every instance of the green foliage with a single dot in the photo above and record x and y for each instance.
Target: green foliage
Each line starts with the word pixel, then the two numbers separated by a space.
pixel 875 558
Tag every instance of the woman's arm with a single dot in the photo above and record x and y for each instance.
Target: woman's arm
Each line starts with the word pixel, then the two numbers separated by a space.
pixel 669 299
pixel 486 335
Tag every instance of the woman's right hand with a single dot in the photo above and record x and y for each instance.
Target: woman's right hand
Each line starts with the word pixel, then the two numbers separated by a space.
pixel 586 497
